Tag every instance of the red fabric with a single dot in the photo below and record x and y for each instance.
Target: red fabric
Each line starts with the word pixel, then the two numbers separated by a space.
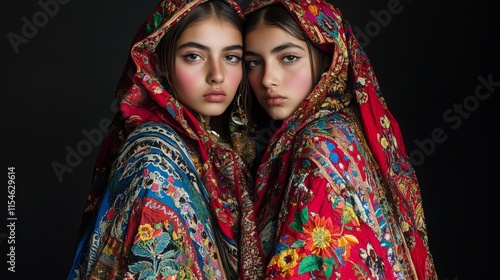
pixel 349 82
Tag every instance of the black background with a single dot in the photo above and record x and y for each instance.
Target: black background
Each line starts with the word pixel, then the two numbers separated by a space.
pixel 58 87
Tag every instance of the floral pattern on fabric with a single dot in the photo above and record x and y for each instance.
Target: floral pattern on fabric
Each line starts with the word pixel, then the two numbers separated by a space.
pixel 211 209
pixel 333 220
pixel 193 200
pixel 155 219
pixel 338 165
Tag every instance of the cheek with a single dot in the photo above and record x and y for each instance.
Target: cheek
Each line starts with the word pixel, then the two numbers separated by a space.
pixel 185 80
pixel 254 80
pixel 300 82
pixel 233 78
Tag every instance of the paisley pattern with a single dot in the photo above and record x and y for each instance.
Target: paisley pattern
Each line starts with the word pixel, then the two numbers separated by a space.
pixel 154 219
pixel 337 195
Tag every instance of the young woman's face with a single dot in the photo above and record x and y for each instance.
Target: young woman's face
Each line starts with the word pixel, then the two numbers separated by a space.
pixel 279 70
pixel 208 66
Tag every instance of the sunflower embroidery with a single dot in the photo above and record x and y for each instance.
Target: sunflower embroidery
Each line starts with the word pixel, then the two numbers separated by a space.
pixel 321 236
pixel 286 260
pixel 324 244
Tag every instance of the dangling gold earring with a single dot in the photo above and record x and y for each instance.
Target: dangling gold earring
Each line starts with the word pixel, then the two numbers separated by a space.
pixel 238 114
pixel 243 132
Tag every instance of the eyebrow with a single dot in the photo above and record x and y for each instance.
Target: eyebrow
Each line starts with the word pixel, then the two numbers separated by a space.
pixel 203 47
pixel 278 48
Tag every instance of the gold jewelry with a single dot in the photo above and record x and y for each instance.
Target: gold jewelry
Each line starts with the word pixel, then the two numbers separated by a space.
pixel 238 114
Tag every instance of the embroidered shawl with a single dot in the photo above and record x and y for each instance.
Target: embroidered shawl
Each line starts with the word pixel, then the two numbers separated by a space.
pixel 174 199
pixel 337 195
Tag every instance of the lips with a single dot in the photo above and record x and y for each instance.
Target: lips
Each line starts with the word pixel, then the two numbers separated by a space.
pixel 274 99
pixel 216 96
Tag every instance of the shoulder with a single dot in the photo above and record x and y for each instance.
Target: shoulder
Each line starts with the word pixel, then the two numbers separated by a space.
pixel 153 130
pixel 333 130
pixel 153 144
pixel 331 149
pixel 153 137
pixel 331 141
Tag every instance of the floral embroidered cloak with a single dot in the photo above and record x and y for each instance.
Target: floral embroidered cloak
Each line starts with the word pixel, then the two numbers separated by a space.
pixel 337 195
pixel 167 201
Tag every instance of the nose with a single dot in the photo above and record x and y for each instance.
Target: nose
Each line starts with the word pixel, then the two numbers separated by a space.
pixel 270 78
pixel 216 73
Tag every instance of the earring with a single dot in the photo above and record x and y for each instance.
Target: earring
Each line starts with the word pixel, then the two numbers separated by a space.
pixel 238 114
pixel 243 133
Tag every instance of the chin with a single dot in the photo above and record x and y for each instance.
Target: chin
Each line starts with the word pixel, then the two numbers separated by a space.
pixel 213 113
pixel 277 116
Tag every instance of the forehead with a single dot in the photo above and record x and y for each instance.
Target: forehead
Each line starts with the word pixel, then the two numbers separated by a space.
pixel 269 36
pixel 212 29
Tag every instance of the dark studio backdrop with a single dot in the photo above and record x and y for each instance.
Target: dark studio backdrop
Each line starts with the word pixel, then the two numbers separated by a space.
pixel 436 61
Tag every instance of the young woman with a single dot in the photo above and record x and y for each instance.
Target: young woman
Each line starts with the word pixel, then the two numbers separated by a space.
pixel 170 195
pixel 337 195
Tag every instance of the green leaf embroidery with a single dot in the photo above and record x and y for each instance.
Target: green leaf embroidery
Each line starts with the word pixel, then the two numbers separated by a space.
pixel 147 274
pixel 139 266
pixel 309 263
pixel 298 244
pixel 142 249
pixel 329 263
pixel 157 19
pixel 161 242
pixel 300 218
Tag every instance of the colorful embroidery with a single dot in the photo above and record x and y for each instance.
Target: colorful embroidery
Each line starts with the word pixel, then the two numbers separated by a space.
pixel 337 194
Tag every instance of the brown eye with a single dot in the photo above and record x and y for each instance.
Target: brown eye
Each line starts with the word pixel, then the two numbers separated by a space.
pixel 253 63
pixel 192 57
pixel 233 58
pixel 290 58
